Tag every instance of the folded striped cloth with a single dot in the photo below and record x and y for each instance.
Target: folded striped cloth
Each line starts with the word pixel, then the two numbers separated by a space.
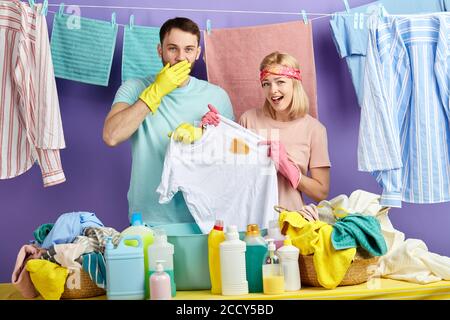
pixel 94 264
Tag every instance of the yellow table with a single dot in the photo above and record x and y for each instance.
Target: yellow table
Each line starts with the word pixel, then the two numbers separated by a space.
pixel 376 289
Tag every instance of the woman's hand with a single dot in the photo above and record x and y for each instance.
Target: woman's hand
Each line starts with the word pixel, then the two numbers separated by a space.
pixel 277 152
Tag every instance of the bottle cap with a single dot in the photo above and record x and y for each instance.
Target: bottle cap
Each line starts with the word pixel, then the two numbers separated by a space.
pixel 159 265
pixel 109 244
pixel 271 244
pixel 273 224
pixel 218 225
pixel 252 230
pixel 159 235
pixel 136 219
pixel 232 233
pixel 287 241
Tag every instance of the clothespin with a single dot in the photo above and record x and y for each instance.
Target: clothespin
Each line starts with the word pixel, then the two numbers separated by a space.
pixel 113 19
pixel 44 9
pixel 61 9
pixel 347 7
pixel 31 3
pixel 355 20
pixel 361 21
pixel 131 22
pixel 208 26
pixel 305 18
pixel 381 11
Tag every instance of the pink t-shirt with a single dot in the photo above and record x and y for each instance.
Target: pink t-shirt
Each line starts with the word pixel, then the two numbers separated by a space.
pixel 305 140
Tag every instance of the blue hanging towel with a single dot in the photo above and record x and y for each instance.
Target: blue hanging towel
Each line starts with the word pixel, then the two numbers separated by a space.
pixel 82 48
pixel 139 55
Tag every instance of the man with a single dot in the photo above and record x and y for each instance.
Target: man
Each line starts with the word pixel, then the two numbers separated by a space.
pixel 145 110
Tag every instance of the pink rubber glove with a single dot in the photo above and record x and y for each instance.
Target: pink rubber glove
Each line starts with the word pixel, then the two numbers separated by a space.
pixel 211 117
pixel 277 152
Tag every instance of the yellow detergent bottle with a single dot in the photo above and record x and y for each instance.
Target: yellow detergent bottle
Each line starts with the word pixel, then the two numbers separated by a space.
pixel 215 237
pixel 138 228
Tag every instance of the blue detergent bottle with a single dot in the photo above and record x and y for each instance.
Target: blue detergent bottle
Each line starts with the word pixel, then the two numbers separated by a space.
pixel 125 278
pixel 138 228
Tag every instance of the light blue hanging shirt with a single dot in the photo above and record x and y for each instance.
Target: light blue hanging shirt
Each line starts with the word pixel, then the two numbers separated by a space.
pixel 139 55
pixel 350 38
pixel 82 48
pixel 404 133
pixel 150 141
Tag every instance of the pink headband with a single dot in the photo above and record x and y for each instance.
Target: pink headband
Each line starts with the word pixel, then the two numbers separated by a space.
pixel 280 71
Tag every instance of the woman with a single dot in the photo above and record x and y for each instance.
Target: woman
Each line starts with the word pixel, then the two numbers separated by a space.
pixel 297 142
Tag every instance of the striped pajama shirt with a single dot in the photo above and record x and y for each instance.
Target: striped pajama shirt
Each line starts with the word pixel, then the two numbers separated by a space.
pixel 30 121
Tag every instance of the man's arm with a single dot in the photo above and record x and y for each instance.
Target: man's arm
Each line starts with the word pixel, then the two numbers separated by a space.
pixel 122 121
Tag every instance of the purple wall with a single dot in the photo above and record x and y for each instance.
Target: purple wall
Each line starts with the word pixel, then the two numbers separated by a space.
pixel 98 177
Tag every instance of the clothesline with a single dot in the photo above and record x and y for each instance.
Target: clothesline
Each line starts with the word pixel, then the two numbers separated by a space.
pixel 123 25
pixel 318 15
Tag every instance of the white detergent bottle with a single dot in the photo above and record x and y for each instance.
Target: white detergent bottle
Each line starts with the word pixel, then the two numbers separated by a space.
pixel 289 261
pixel 160 283
pixel 232 264
pixel 274 233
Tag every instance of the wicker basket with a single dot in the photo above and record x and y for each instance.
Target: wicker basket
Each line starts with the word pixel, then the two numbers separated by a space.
pixel 357 273
pixel 79 285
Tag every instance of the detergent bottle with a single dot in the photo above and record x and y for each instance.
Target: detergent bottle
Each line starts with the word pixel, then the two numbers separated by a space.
pixel 160 283
pixel 138 228
pixel 255 254
pixel 125 269
pixel 289 261
pixel 162 250
pixel 274 232
pixel 232 264
pixel 273 277
pixel 215 238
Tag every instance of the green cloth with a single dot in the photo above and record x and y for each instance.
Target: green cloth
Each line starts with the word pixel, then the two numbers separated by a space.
pixel 139 55
pixel 354 230
pixel 42 231
pixel 82 48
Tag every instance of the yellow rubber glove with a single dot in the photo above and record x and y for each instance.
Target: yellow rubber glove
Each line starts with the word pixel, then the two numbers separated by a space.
pixel 167 80
pixel 186 133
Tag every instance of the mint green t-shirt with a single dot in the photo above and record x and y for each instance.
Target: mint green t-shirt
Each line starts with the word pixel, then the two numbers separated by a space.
pixel 150 141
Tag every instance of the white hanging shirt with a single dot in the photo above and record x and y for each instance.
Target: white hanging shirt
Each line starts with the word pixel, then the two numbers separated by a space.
pixel 224 175
pixel 30 121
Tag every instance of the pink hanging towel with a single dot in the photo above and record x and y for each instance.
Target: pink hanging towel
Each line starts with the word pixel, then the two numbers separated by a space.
pixel 233 56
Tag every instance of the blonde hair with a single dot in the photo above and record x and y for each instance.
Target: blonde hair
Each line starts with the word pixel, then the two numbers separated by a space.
pixel 300 102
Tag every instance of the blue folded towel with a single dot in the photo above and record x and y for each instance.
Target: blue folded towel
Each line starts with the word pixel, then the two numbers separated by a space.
pixel 354 230
pixel 83 52
pixel 139 55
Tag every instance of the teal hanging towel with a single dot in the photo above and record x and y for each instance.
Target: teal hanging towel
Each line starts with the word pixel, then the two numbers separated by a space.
pixel 82 48
pixel 139 55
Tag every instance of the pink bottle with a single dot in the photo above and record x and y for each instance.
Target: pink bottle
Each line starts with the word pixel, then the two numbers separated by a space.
pixel 160 283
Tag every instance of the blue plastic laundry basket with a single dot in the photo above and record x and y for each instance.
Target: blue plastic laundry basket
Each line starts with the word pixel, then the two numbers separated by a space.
pixel 190 257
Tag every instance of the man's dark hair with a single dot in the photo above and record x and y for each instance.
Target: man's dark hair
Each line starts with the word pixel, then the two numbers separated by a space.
pixel 181 23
